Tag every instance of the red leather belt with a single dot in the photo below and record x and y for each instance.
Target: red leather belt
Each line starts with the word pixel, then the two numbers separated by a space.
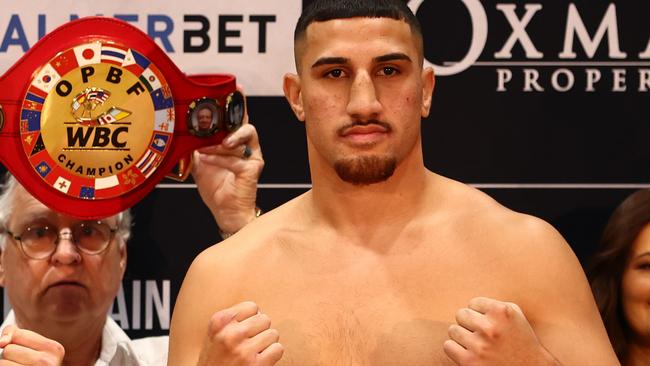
pixel 95 114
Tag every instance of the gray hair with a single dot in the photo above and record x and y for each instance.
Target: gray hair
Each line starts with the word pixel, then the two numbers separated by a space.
pixel 8 191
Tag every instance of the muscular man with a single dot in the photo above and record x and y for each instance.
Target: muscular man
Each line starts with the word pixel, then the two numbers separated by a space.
pixel 382 262
pixel 61 274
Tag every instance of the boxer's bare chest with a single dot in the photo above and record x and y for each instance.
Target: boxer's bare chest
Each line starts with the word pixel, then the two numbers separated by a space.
pixel 375 310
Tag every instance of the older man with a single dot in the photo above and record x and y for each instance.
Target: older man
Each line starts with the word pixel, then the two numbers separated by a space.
pixel 61 274
pixel 382 262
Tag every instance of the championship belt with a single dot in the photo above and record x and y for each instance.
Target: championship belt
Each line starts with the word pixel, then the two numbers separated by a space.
pixel 95 114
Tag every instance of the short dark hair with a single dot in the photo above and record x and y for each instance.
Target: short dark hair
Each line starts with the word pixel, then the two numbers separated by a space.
pixel 324 10
pixel 605 270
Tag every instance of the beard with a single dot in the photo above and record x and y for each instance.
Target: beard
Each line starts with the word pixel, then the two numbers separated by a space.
pixel 365 170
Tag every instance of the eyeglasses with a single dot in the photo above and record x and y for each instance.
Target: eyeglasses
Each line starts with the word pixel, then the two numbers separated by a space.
pixel 40 241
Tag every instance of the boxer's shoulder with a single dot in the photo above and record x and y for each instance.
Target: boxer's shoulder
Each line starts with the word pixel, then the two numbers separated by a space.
pixel 475 214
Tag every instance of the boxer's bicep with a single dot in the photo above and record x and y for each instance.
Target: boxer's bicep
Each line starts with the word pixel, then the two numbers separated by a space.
pixel 195 304
pixel 560 306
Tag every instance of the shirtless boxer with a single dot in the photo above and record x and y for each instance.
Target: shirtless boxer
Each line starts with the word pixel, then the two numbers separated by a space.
pixel 382 262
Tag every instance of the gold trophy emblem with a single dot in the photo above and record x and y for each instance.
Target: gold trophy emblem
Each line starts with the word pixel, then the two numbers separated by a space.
pixel 97 120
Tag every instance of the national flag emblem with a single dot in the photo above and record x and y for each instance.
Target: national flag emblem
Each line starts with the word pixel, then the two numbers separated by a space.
pixel 33 119
pixel 147 165
pixel 164 119
pixel 62 184
pixel 38 146
pixel 150 79
pixel 46 78
pixel 34 98
pixel 87 193
pixel 113 54
pixel 88 54
pixel 108 182
pixel 43 169
pixel 65 62
pixel 159 100
pixel 167 92
pixel 159 142
pixel 113 115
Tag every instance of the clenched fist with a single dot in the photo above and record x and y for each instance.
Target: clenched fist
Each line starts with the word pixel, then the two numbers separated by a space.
pixel 24 347
pixel 241 335
pixel 491 332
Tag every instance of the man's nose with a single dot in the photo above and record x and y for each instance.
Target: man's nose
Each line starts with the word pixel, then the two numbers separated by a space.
pixel 66 251
pixel 363 103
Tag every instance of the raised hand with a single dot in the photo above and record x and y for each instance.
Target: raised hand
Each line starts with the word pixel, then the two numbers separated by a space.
pixel 241 335
pixel 24 347
pixel 492 332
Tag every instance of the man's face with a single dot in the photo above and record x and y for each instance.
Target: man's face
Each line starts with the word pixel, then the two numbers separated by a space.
pixel 69 285
pixel 204 118
pixel 362 92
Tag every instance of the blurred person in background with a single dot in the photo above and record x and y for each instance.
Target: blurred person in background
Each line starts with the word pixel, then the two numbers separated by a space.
pixel 619 274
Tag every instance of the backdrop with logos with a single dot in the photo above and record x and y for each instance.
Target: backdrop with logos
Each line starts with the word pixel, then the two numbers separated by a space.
pixel 541 104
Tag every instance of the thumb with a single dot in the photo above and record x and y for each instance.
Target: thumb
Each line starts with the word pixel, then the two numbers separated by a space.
pixel 219 320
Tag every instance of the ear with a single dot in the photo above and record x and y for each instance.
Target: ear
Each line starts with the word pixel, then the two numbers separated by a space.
pixel 2 267
pixel 428 84
pixel 122 249
pixel 293 93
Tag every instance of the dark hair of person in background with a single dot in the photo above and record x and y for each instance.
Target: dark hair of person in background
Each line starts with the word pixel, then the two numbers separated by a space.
pixel 607 266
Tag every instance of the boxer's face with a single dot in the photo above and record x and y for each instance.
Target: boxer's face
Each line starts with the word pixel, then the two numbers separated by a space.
pixel 67 286
pixel 362 92
pixel 635 286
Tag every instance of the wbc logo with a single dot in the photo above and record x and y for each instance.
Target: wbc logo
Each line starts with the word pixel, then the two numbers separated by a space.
pixel 97 120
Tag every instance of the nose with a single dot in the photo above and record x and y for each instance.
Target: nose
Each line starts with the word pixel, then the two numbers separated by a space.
pixel 363 104
pixel 66 251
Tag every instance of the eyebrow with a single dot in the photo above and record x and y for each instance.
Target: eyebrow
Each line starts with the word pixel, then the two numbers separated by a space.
pixel 330 61
pixel 642 255
pixel 395 56
pixel 392 57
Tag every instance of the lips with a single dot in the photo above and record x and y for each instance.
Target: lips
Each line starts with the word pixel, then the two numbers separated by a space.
pixel 65 283
pixel 364 130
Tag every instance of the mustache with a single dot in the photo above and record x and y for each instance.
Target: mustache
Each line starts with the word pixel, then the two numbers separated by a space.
pixel 383 124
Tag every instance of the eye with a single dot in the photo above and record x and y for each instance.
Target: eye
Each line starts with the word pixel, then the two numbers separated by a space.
pixel 644 266
pixel 335 74
pixel 388 71
pixel 87 231
pixel 39 231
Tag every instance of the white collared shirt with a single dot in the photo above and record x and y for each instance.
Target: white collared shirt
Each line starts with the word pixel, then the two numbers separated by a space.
pixel 119 350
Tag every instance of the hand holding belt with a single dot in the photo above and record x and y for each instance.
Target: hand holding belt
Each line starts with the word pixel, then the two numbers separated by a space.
pixel 95 114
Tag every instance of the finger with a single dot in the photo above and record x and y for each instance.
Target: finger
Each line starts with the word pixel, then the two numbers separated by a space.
pixel 219 320
pixel 271 355
pixel 515 307
pixel 33 340
pixel 482 304
pixel 460 335
pixel 245 135
pixel 266 338
pixel 29 356
pixel 7 334
pixel 245 310
pixel 471 319
pixel 227 162
pixel 237 151
pixel 256 324
pixel 455 351
pixel 4 362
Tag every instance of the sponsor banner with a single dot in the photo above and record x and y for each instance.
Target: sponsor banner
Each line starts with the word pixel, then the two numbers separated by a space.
pixel 236 37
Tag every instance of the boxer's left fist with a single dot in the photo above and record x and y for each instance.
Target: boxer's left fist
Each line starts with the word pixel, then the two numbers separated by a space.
pixel 491 332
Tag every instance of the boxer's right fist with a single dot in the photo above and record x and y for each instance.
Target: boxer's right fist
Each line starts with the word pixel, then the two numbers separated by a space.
pixel 241 335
